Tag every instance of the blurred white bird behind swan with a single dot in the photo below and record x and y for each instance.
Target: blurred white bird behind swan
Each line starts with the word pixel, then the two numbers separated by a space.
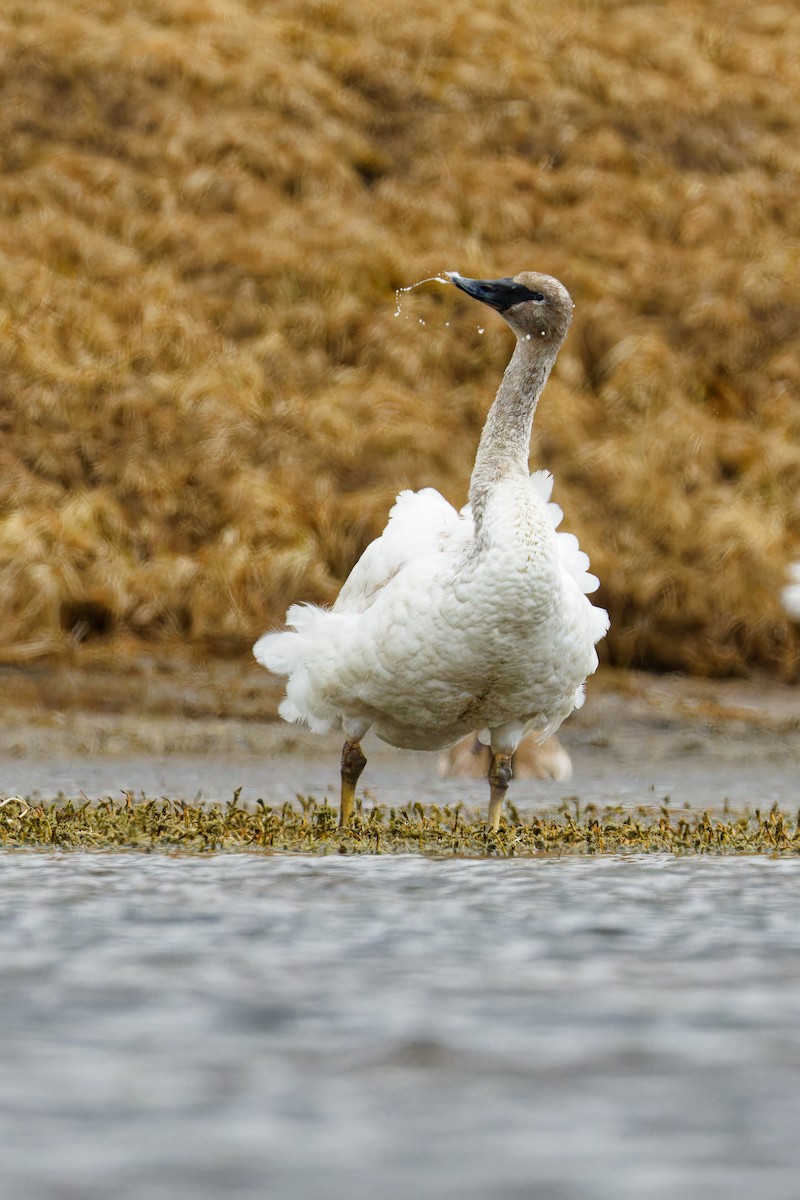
pixel 790 596
pixel 452 622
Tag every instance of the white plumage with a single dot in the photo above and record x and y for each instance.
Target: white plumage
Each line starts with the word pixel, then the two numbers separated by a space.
pixel 456 621
pixel 413 646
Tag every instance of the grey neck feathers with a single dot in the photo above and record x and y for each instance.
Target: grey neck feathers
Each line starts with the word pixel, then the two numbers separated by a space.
pixel 505 442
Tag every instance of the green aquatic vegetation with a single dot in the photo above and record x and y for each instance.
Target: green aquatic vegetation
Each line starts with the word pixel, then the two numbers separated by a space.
pixel 309 826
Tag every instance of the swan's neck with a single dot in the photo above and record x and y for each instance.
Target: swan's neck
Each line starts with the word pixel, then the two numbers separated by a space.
pixel 505 442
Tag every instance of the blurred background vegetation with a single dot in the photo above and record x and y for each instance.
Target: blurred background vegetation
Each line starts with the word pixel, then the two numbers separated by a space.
pixel 207 402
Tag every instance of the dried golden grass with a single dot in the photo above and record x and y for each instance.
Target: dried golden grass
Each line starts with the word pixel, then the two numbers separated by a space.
pixel 205 208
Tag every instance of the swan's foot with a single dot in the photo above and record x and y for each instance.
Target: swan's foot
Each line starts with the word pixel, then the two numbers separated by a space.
pixel 353 763
pixel 499 775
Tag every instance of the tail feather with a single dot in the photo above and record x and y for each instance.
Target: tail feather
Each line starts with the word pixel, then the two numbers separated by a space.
pixel 289 652
pixel 282 651
pixel 276 652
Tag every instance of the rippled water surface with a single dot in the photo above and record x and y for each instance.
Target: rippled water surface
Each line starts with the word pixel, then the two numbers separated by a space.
pixel 243 1026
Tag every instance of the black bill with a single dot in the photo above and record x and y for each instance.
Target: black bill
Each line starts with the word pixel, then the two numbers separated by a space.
pixel 499 294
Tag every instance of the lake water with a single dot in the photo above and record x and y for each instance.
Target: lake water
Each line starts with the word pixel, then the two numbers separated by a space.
pixel 240 1026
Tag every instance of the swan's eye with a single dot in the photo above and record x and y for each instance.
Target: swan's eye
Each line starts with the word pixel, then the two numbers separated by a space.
pixel 537 297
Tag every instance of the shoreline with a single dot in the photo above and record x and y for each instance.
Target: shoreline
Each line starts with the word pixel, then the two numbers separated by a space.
pixel 196 733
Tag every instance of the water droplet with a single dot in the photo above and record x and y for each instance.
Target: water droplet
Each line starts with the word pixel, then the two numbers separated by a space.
pixel 421 321
pixel 443 277
pixel 480 330
pixel 527 335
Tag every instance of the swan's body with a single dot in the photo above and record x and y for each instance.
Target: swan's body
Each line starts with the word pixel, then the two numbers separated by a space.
pixel 452 622
pixel 432 638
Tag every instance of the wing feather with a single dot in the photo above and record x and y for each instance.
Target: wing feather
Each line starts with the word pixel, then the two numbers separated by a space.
pixel 420 523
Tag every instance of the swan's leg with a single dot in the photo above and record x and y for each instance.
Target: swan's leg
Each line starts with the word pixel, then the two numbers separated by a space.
pixel 499 775
pixel 353 763
pixel 504 741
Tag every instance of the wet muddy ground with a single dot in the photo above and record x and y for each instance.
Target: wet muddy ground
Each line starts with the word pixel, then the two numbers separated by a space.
pixel 189 730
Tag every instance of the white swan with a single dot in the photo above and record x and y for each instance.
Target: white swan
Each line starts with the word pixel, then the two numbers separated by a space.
pixel 451 622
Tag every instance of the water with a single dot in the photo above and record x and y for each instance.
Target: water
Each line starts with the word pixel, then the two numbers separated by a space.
pixel 443 277
pixel 242 1026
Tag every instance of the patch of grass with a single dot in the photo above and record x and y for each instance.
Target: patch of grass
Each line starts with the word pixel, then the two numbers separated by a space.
pixel 310 827
pixel 206 403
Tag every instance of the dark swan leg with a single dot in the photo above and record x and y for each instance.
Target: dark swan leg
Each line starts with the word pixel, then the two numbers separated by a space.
pixel 499 775
pixel 353 763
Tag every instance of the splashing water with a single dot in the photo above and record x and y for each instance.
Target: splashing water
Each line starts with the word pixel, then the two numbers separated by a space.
pixel 442 277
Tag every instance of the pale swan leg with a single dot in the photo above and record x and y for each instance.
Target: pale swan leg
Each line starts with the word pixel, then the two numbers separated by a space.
pixel 499 775
pixel 504 740
pixel 353 763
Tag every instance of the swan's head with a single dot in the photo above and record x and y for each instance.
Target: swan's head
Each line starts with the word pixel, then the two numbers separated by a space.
pixel 537 307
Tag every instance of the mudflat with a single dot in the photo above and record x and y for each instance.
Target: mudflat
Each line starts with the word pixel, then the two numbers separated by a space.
pixel 169 726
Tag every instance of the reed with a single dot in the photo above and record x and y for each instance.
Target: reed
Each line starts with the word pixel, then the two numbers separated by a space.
pixel 205 209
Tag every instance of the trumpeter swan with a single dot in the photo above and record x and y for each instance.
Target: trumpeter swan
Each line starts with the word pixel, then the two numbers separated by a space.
pixel 451 622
